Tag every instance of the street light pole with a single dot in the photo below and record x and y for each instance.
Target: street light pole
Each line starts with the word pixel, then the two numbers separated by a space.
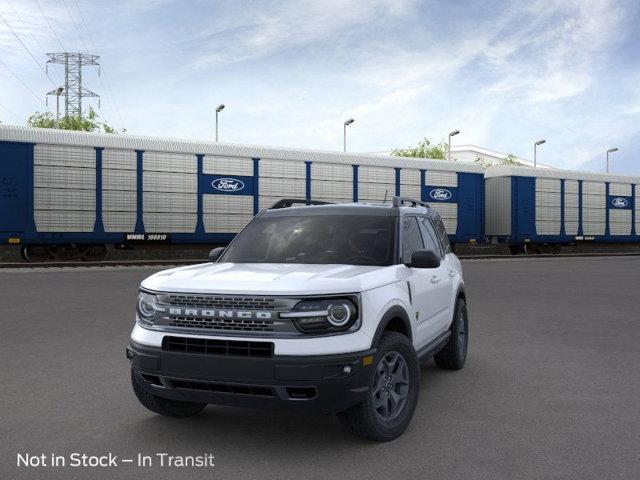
pixel 59 90
pixel 535 152
pixel 611 150
pixel 219 108
pixel 451 134
pixel 344 137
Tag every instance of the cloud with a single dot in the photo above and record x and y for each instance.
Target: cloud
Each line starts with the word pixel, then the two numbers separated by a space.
pixel 291 72
pixel 283 25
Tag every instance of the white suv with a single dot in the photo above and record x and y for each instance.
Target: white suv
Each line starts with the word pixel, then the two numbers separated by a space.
pixel 320 307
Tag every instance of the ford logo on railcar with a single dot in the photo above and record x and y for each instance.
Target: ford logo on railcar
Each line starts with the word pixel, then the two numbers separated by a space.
pixel 228 184
pixel 440 194
pixel 619 202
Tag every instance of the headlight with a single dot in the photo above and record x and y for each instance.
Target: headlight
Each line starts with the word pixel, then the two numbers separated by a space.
pixel 147 306
pixel 328 315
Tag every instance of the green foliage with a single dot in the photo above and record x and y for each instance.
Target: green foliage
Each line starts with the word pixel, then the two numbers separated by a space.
pixel 510 159
pixel 425 149
pixel 87 123
pixel 483 162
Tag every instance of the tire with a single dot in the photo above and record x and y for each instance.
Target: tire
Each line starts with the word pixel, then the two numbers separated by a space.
pixel 454 353
pixel 164 406
pixel 368 419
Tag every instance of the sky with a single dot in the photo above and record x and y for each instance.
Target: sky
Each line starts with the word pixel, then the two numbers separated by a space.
pixel 291 72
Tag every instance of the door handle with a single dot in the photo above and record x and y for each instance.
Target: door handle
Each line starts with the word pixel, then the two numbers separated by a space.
pixel 452 273
pixel 435 279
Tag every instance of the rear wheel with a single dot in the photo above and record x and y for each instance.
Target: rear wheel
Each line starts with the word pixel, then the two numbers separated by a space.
pixel 393 392
pixel 164 406
pixel 454 354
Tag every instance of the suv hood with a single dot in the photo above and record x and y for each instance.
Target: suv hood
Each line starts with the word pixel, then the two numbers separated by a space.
pixel 271 278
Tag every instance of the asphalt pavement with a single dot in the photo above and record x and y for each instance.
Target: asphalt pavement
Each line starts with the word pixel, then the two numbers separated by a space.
pixel 551 388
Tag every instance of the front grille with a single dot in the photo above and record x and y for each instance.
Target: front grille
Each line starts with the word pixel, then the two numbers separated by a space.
pixel 207 346
pixel 212 323
pixel 254 390
pixel 221 301
pixel 220 314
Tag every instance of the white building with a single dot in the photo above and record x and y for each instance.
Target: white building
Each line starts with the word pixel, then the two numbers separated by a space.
pixel 471 153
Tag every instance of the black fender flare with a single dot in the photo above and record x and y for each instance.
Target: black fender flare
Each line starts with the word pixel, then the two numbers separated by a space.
pixel 460 294
pixel 393 312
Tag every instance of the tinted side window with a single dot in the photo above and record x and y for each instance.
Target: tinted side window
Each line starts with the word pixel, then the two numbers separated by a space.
pixel 442 234
pixel 411 238
pixel 431 241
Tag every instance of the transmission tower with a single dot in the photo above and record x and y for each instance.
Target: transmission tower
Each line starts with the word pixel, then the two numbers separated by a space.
pixel 73 91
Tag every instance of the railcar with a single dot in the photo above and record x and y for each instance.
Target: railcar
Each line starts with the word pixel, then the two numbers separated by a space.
pixel 72 194
pixel 540 210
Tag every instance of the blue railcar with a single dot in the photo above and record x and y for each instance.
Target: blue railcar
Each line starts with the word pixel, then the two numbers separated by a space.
pixel 542 209
pixel 80 191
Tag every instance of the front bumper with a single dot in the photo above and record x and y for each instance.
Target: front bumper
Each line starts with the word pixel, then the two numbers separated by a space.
pixel 322 383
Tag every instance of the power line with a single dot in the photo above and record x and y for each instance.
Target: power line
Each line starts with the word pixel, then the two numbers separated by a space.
pixel 106 85
pixel 27 49
pixel 24 25
pixel 84 23
pixel 50 26
pixel 21 81
pixel 12 113
pixel 75 27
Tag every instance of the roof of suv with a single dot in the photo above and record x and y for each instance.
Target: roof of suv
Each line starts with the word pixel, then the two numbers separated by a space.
pixel 366 209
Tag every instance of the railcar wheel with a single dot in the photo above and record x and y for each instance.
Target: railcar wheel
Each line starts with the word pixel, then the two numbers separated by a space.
pixel 93 253
pixel 68 253
pixel 532 249
pixel 35 253
pixel 516 249
pixel 547 248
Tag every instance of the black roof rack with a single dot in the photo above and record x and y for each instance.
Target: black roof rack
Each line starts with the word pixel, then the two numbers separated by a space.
pixel 290 202
pixel 406 201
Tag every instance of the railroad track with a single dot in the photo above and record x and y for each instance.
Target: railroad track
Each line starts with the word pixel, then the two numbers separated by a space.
pixel 185 261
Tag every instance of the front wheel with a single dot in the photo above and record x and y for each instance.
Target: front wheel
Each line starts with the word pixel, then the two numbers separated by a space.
pixel 393 392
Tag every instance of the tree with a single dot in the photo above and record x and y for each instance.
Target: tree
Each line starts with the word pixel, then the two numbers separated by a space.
pixel 424 150
pixel 87 123
pixel 510 159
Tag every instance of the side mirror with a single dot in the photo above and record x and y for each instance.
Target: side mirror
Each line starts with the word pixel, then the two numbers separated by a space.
pixel 215 254
pixel 424 259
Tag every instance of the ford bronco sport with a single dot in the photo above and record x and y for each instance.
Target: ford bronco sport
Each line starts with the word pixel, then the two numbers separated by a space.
pixel 321 307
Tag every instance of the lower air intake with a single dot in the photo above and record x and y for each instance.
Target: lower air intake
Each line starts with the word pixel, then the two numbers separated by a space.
pixel 208 346
pixel 253 390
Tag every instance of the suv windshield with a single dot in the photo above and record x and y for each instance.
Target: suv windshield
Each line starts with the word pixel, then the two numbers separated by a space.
pixel 323 239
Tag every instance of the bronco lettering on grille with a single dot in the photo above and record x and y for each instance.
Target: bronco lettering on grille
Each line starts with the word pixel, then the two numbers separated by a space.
pixel 207 312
